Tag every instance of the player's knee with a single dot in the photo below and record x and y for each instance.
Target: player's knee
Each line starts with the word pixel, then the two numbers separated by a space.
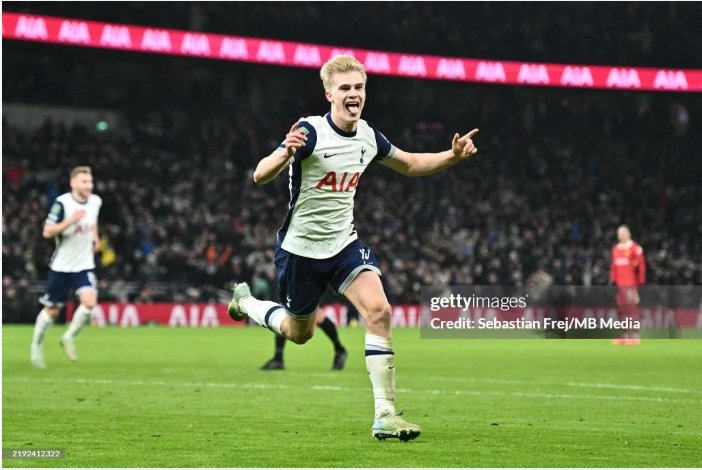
pixel 379 316
pixel 301 337
pixel 52 311
pixel 88 299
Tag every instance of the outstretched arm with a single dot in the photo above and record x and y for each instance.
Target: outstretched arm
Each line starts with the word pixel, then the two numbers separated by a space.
pixel 421 164
pixel 271 166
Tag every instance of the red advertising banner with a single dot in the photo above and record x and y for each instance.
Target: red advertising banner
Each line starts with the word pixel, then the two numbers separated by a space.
pixel 166 314
pixel 296 54
pixel 215 315
pixel 209 315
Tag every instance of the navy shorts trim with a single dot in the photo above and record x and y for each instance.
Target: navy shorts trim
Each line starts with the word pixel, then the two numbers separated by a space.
pixel 302 281
pixel 58 284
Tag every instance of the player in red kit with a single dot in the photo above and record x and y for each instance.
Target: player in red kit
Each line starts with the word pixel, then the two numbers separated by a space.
pixel 627 272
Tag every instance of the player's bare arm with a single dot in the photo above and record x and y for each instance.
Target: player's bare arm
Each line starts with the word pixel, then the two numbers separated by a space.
pixel 51 230
pixel 273 164
pixel 421 164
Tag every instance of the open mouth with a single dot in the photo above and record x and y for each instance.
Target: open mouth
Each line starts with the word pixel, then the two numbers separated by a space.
pixel 353 106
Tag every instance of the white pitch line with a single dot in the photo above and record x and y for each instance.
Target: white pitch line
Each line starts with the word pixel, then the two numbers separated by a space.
pixel 631 387
pixel 642 388
pixel 476 393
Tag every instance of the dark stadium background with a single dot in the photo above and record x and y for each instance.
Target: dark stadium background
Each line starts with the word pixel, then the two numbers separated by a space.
pixel 558 169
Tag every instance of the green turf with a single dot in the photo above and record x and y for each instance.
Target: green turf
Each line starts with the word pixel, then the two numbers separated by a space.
pixel 160 397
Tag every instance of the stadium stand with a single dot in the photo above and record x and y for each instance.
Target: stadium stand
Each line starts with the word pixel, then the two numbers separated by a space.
pixel 557 171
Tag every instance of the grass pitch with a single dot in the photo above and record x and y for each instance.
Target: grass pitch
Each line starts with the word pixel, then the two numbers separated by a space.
pixel 161 397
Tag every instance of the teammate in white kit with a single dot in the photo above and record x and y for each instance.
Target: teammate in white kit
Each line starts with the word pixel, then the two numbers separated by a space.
pixel 72 223
pixel 317 244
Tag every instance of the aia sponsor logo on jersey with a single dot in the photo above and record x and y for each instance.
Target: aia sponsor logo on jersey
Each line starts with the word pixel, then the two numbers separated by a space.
pixel 334 182
pixel 83 229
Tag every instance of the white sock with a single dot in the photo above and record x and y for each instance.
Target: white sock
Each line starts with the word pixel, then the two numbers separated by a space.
pixel 80 318
pixel 380 362
pixel 264 312
pixel 44 321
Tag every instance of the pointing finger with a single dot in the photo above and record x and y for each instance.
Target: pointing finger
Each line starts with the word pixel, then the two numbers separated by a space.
pixel 470 134
pixel 455 138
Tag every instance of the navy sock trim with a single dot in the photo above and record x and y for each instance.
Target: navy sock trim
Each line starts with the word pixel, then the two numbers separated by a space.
pixel 375 352
pixel 269 313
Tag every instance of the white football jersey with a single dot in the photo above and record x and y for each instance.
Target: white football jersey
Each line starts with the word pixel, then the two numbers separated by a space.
pixel 324 175
pixel 74 246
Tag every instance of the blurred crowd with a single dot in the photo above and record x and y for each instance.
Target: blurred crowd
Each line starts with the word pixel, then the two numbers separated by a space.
pixel 557 172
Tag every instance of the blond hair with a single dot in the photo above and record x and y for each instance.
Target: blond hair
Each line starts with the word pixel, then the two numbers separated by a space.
pixel 81 169
pixel 340 64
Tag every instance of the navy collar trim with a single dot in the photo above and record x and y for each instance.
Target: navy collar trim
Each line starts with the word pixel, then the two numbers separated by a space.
pixel 78 200
pixel 342 133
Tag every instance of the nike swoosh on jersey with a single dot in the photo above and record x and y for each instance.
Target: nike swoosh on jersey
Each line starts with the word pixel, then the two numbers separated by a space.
pixel 330 155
